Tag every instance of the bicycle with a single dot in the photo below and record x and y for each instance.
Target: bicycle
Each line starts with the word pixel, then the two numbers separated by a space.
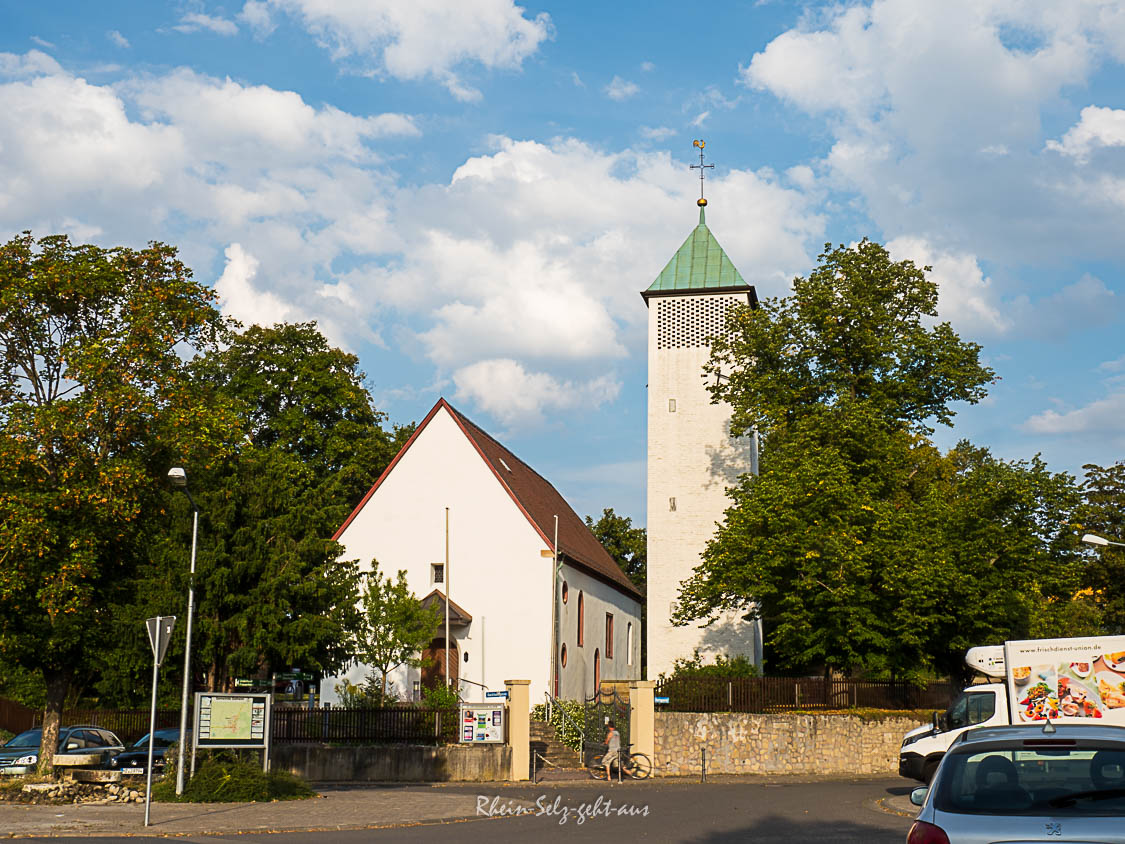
pixel 635 765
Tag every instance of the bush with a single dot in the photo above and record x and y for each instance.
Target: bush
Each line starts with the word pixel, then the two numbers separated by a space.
pixel 223 778
pixel 722 669
pixel 440 697
pixel 368 695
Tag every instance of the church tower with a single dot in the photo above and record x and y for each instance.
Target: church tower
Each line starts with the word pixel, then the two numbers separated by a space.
pixel 692 459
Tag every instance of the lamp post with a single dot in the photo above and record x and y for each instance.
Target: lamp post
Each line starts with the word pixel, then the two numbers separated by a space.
pixel 178 479
pixel 1094 539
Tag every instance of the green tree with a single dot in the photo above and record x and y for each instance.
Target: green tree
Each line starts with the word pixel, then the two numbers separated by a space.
pixel 271 588
pixel 1103 513
pixel 626 544
pixel 860 545
pixel 396 628
pixel 95 400
pixel 853 332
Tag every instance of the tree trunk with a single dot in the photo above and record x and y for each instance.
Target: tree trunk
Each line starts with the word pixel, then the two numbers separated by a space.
pixel 58 684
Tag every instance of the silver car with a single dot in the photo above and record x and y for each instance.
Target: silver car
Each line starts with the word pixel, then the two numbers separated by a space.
pixel 1026 784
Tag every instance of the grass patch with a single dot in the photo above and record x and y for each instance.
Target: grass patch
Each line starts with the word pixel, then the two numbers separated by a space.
pixel 227 780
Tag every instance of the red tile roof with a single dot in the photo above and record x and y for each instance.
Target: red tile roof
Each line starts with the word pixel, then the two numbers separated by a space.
pixel 535 496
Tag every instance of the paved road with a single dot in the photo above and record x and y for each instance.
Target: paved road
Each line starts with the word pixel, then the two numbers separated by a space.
pixel 772 812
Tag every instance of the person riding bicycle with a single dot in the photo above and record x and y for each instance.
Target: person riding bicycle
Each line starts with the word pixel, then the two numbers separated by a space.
pixel 613 751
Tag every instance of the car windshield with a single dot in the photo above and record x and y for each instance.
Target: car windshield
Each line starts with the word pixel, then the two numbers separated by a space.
pixel 163 739
pixel 29 738
pixel 1047 780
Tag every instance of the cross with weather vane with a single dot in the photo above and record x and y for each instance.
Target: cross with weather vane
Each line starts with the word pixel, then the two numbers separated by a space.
pixel 702 168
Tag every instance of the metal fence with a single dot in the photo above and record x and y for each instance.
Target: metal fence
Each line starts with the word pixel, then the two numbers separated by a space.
pixel 785 694
pixel 398 725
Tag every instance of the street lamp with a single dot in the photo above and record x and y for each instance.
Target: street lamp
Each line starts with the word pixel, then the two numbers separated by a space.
pixel 1094 539
pixel 178 479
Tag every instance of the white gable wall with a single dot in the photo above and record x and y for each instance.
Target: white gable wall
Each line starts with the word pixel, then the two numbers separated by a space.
pixel 498 574
pixel 576 680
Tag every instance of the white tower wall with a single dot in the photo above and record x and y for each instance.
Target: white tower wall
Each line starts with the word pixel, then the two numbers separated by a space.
pixel 692 461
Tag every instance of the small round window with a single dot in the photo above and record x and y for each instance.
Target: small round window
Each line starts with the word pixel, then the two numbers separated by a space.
pixel 565 592
pixel 562 656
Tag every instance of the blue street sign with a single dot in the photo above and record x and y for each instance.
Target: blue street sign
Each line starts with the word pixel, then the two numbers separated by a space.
pixel 503 694
pixel 660 700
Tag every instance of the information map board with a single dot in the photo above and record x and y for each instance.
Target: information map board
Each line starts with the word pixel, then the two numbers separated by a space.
pixel 232 720
pixel 482 723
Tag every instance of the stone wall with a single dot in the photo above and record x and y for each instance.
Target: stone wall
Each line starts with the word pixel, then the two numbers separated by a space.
pixel 393 763
pixel 739 743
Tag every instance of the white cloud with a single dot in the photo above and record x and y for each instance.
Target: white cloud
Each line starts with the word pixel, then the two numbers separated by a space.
pixel 533 253
pixel 195 21
pixel 256 15
pixel 620 89
pixel 32 63
pixel 518 398
pixel 648 67
pixel 42 42
pixel 935 112
pixel 1097 127
pixel 966 297
pixel 238 297
pixel 657 133
pixel 1117 365
pixel 117 39
pixel 425 38
pixel 700 118
pixel 576 79
pixel 1101 417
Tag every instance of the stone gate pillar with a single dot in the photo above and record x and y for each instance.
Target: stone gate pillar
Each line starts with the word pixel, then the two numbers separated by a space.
pixel 519 727
pixel 642 717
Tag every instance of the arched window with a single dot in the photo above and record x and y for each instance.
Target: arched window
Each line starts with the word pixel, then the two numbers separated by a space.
pixel 629 642
pixel 565 592
pixel 597 672
pixel 581 619
pixel 562 656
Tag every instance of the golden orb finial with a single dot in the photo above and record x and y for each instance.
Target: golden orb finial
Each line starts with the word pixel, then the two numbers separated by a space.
pixel 701 202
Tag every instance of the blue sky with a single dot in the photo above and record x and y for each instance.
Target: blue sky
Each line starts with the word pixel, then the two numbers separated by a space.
pixel 470 195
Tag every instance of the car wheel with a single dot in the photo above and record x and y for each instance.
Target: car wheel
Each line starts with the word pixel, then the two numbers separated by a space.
pixel 929 769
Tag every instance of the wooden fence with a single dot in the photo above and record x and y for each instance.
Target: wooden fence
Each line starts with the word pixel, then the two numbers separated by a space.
pixel 786 694
pixel 15 717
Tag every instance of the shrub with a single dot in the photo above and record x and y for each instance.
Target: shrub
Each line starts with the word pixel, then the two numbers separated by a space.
pixel 223 778
pixel 440 697
pixel 722 669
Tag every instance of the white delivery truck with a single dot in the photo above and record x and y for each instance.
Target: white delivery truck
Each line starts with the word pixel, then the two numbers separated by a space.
pixel 1079 679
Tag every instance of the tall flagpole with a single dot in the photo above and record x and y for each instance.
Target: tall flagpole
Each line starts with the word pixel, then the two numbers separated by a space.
pixel 447 598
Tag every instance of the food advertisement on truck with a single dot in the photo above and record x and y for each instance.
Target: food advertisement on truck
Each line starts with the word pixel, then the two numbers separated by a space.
pixel 1067 679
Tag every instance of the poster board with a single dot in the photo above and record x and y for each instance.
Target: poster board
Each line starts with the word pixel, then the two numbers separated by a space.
pixel 232 721
pixel 1069 680
pixel 482 723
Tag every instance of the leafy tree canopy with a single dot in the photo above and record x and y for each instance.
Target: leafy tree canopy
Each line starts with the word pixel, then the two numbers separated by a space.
pixel 1103 513
pixel 855 330
pixel 860 545
pixel 396 628
pixel 95 399
pixel 626 544
pixel 271 591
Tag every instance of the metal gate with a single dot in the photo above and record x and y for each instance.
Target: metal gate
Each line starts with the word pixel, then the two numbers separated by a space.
pixel 607 704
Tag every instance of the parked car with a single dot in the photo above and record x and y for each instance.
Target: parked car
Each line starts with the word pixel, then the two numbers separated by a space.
pixel 134 760
pixel 1026 783
pixel 21 754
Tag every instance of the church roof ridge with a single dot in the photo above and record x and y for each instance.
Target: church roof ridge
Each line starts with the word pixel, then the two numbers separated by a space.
pixel 700 264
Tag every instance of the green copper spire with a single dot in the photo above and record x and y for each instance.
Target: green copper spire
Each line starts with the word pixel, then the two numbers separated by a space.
pixel 700 264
